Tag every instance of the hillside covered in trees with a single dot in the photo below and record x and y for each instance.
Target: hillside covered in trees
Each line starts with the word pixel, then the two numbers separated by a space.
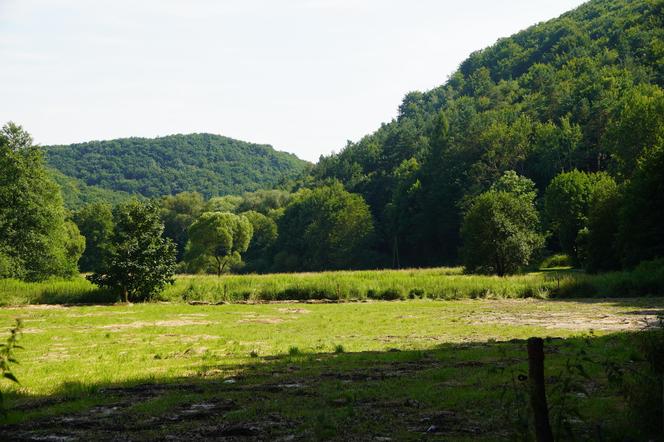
pixel 583 91
pixel 212 165
pixel 549 141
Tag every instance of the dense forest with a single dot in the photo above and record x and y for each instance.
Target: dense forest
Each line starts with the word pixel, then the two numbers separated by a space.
pixel 583 91
pixel 210 164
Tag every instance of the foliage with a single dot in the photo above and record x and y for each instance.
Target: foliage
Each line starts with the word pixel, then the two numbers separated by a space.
pixel 517 185
pixel 325 228
pixel 583 91
pixel 76 194
pixel 598 240
pixel 641 235
pixel 501 233
pixel 74 245
pixel 178 212
pixel 140 262
pixel 95 222
pixel 209 164
pixel 7 359
pixel 259 253
pixel 567 204
pixel 35 240
pixel 222 236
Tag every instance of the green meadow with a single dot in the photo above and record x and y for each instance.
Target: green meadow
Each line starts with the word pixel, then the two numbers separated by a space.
pixel 401 370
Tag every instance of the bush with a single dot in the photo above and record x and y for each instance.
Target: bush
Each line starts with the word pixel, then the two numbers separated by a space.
pixel 558 260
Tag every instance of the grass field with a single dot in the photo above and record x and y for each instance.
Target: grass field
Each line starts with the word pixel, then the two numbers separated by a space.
pixel 373 370
pixel 438 283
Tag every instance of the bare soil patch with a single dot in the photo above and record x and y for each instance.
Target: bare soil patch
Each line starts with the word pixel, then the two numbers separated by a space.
pixel 294 310
pixel 265 320
pixel 141 324
pixel 568 320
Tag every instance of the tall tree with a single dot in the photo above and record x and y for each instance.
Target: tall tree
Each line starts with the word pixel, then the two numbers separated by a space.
pixel 35 241
pixel 641 235
pixel 95 222
pixel 325 228
pixel 598 240
pixel 567 203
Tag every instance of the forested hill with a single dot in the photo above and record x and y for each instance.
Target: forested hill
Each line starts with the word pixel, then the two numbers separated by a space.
pixel 580 91
pixel 210 164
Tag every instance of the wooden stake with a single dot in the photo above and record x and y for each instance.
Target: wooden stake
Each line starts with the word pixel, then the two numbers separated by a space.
pixel 537 392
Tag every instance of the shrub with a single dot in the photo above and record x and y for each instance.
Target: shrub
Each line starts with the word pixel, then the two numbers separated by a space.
pixel 558 260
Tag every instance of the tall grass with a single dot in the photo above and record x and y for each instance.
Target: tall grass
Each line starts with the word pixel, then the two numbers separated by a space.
pixel 53 291
pixel 438 283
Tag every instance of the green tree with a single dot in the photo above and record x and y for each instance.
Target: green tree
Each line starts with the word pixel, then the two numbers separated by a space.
pixel 178 213
pixel 567 203
pixel 258 255
pixel 74 244
pixel 519 186
pixel 637 124
pixel 325 228
pixel 228 203
pixel 95 222
pixel 140 261
pixel 641 235
pixel 500 233
pixel 222 236
pixel 264 201
pixel 34 237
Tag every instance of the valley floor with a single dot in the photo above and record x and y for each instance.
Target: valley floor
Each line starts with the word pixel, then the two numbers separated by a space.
pixel 405 370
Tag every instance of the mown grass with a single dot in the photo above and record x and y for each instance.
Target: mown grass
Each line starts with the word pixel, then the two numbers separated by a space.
pixel 437 283
pixel 342 371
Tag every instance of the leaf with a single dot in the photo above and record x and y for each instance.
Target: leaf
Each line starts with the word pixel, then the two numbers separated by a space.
pixel 11 377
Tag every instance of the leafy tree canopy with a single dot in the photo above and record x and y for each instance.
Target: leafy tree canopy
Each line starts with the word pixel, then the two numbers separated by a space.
pixel 324 228
pixel 95 222
pixel 222 236
pixel 35 240
pixel 140 261
pixel 501 233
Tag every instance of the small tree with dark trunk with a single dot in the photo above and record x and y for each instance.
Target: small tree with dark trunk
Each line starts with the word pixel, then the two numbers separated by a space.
pixel 139 261
pixel 500 233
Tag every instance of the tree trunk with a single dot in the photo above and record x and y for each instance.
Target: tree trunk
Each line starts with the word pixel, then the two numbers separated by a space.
pixel 537 392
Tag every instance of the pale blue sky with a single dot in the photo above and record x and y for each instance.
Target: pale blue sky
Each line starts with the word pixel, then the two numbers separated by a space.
pixel 302 75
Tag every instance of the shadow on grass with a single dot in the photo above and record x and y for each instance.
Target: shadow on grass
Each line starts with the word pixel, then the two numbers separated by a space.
pixel 452 391
pixel 99 296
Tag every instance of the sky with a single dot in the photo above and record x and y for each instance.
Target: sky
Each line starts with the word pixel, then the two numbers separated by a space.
pixel 302 75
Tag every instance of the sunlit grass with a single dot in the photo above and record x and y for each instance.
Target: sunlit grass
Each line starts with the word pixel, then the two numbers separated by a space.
pixel 75 353
pixel 435 283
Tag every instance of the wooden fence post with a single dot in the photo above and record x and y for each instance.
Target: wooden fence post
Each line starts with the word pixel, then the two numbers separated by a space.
pixel 537 391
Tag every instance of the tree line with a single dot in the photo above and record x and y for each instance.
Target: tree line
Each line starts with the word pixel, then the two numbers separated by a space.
pixel 549 141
